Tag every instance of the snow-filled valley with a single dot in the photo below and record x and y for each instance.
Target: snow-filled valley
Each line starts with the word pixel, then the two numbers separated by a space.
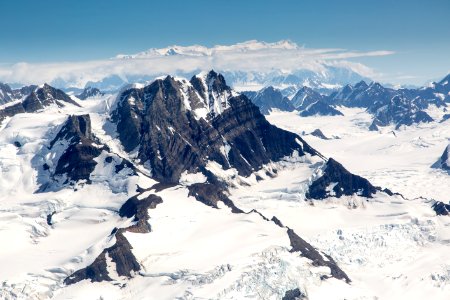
pixel 391 246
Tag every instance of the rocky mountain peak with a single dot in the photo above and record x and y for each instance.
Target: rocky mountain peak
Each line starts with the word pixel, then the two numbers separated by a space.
pixel 38 99
pixel 161 122
pixel 45 96
pixel 75 129
pixel 445 81
pixel 337 181
pixel 361 85
pixel 270 98
pixel 213 92
pixel 444 160
pixel 89 92
pixel 6 93
pixel 305 97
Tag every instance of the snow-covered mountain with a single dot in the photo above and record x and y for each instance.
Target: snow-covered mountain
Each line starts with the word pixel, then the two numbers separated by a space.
pixel 399 111
pixel 307 101
pixel 7 94
pixel 90 92
pixel 250 65
pixel 444 160
pixel 269 99
pixel 305 97
pixel 38 99
pixel 183 189
pixel 398 107
pixel 390 106
pixel 319 108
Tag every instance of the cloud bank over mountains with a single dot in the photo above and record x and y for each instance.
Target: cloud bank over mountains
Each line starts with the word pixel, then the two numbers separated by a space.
pixel 252 56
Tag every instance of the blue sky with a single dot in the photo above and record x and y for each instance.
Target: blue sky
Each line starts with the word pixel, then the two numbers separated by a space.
pixel 49 31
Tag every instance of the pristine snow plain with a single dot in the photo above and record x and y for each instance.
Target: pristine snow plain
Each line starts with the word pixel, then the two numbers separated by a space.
pixel 391 247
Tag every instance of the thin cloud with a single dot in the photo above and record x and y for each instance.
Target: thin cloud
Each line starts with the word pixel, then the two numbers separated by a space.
pixel 251 56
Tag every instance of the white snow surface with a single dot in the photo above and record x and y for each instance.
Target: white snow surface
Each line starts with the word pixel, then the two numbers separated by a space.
pixel 390 247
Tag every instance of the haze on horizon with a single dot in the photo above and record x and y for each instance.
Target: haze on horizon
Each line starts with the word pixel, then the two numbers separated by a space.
pixel 409 38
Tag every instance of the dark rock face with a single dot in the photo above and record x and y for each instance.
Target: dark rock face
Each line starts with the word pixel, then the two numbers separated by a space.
pixel 269 99
pixel 24 91
pixel 441 208
pixel 359 95
pixel 210 194
pixel 89 92
pixel 160 121
pixel 305 97
pixel 46 96
pixel 96 272
pixel 320 108
pixel 294 294
pixel 77 161
pixel 445 118
pixel 139 209
pixel 345 183
pixel 49 218
pixel 300 245
pixel 311 103
pixel 442 86
pixel 73 157
pixel 399 111
pixel 444 160
pixel 318 133
pixel 120 253
pixel 37 100
pixel 6 93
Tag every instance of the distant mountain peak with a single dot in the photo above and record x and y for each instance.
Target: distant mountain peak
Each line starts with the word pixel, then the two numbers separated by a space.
pixel 445 81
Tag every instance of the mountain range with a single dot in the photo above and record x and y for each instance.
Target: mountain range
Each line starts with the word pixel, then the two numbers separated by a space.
pixel 398 107
pixel 182 188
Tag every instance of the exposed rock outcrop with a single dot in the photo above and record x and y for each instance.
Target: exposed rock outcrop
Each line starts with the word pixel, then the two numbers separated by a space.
pixel 177 126
pixel 320 108
pixel 77 161
pixel 318 133
pixel 399 111
pixel 294 294
pixel 392 106
pixel 305 97
pixel 441 208
pixel 269 99
pixel 210 194
pixel 120 253
pixel 72 156
pixel 90 92
pixel 37 100
pixel 7 94
pixel 138 209
pixel 336 181
pixel 306 250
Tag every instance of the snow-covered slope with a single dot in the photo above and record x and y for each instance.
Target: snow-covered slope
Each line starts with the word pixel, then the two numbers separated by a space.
pixel 210 201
